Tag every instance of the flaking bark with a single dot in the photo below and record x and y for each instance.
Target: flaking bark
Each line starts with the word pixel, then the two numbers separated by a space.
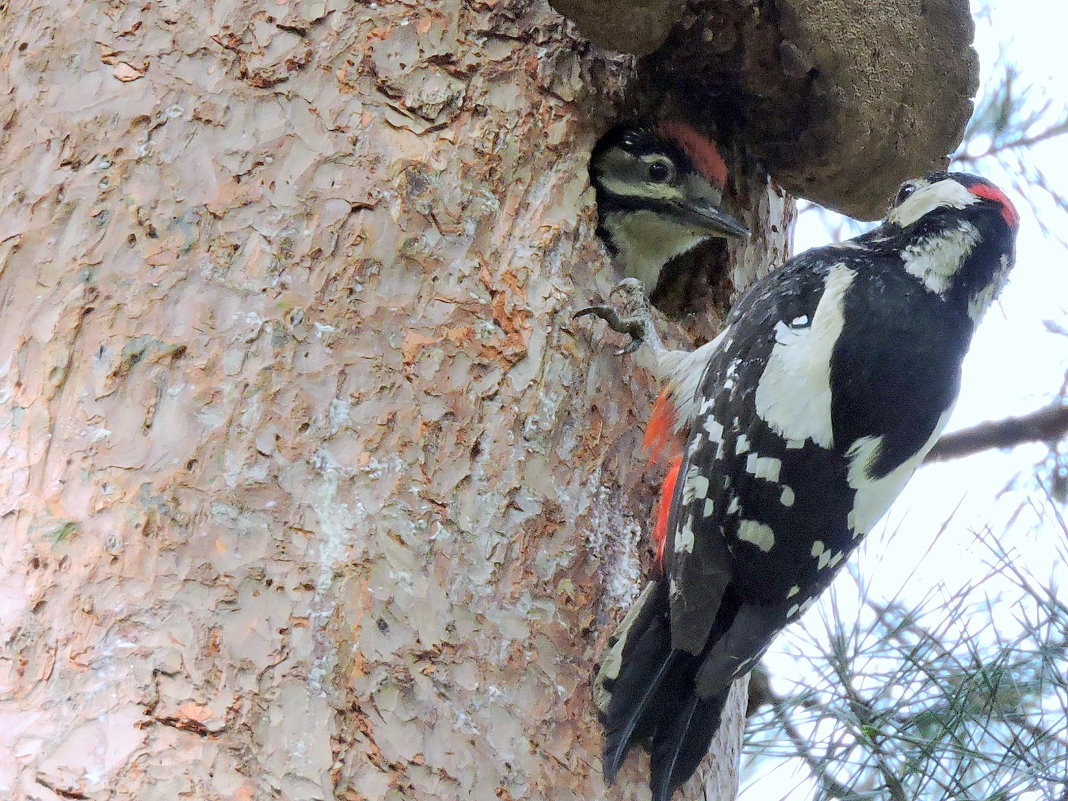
pixel 309 487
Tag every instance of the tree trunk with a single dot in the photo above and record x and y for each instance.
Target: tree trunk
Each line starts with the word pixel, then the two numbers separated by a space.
pixel 310 488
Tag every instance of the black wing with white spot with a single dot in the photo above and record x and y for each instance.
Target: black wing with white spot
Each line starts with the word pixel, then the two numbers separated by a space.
pixel 804 439
pixel 745 489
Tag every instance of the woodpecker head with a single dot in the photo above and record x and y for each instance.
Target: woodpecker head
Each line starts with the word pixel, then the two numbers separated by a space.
pixel 659 190
pixel 956 233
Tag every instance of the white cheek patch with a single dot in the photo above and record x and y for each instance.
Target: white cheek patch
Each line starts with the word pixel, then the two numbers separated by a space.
pixel 695 186
pixel 642 189
pixel 793 395
pixel 874 495
pixel 936 260
pixel 928 198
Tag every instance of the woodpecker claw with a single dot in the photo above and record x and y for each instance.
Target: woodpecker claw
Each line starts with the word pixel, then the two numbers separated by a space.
pixel 624 325
pixel 639 325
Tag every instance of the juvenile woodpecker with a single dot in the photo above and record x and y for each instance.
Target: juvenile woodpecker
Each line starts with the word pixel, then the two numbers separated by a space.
pixel 659 190
pixel 788 436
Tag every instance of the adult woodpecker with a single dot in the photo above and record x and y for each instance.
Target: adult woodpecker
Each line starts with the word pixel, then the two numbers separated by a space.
pixel 659 190
pixel 788 436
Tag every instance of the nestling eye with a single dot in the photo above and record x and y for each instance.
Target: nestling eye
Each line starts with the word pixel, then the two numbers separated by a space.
pixel 903 193
pixel 659 172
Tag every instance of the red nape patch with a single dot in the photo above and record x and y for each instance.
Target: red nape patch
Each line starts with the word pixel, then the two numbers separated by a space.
pixel 704 154
pixel 661 441
pixel 663 511
pixel 1008 211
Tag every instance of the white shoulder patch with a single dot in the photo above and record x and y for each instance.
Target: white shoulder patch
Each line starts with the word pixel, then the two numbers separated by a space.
pixel 793 395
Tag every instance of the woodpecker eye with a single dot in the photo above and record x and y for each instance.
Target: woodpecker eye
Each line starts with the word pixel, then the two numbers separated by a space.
pixel 903 193
pixel 659 172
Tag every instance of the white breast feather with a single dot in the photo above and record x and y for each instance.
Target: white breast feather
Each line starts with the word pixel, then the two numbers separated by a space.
pixel 682 373
pixel 980 302
pixel 647 240
pixel 936 259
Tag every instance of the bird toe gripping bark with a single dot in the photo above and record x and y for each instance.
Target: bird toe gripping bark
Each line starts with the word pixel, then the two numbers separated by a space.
pixel 638 322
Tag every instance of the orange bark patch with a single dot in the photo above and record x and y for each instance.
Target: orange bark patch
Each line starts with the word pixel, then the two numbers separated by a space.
pixel 413 343
pixel 194 712
pixel 510 313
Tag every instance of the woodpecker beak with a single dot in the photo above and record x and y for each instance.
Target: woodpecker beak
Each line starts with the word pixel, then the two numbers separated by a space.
pixel 706 216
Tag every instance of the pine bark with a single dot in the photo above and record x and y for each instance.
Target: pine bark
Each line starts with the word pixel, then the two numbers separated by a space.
pixel 309 486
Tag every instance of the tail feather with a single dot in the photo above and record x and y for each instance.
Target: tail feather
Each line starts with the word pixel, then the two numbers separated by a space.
pixel 683 735
pixel 646 690
pixel 631 722
pixel 631 675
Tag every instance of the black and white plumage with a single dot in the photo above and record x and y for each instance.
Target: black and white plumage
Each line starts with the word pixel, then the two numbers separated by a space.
pixel 795 429
pixel 659 193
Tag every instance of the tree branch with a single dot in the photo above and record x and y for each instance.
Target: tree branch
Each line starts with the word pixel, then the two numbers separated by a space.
pixel 1045 425
pixel 1019 143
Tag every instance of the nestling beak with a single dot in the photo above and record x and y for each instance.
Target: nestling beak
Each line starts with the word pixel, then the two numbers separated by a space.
pixel 704 215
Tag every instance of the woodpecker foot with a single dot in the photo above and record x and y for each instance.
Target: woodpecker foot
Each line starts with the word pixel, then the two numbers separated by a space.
pixel 639 321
